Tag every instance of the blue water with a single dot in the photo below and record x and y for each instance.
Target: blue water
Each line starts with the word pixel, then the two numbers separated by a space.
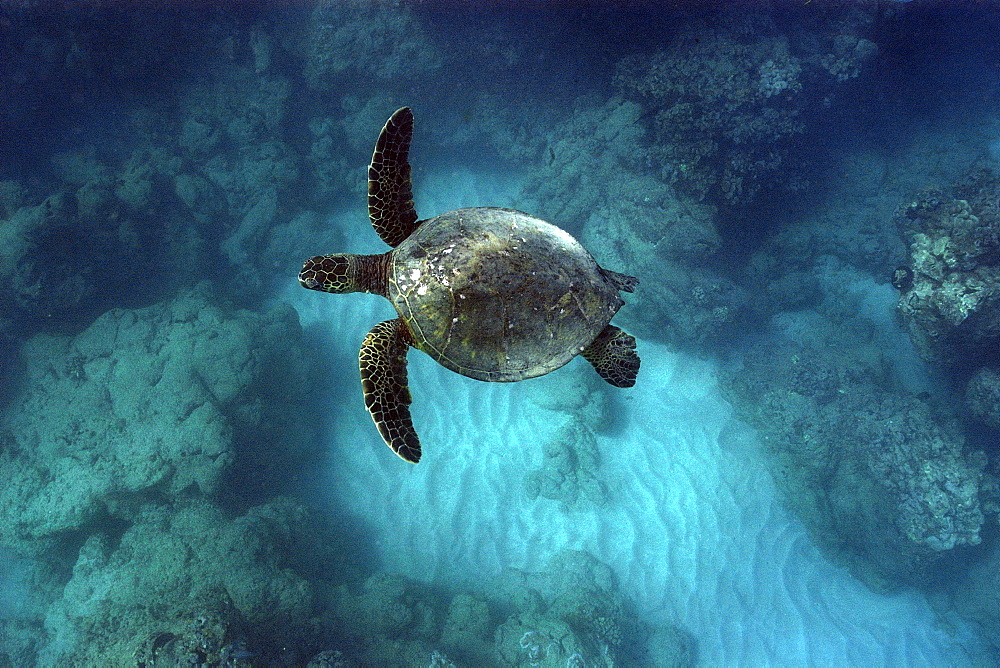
pixel 797 478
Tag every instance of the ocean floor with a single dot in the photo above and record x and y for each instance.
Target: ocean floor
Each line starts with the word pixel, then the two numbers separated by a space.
pixel 691 523
pixel 809 196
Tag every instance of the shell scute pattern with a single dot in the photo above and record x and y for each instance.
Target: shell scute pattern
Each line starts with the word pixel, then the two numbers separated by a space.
pixel 493 294
pixel 499 295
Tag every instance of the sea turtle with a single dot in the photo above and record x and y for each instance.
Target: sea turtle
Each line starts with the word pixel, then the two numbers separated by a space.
pixel 493 294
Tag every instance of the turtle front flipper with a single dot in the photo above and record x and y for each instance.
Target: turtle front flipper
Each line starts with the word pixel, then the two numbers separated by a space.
pixel 390 198
pixel 383 380
pixel 613 355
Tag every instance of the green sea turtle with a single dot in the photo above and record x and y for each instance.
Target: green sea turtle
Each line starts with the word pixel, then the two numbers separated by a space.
pixel 493 294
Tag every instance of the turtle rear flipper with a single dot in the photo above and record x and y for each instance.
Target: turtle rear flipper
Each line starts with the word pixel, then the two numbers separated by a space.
pixel 613 355
pixel 622 282
pixel 383 380
pixel 390 197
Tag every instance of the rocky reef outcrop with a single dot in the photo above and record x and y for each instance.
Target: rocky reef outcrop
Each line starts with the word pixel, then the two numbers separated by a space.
pixel 982 396
pixel 144 404
pixel 727 99
pixel 236 579
pixel 377 39
pixel 951 306
pixel 568 614
pixel 571 614
pixel 886 481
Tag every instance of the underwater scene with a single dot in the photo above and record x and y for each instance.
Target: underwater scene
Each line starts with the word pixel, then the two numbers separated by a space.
pixel 753 303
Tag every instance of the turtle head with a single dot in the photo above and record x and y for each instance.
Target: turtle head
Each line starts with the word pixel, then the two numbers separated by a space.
pixel 346 273
pixel 331 273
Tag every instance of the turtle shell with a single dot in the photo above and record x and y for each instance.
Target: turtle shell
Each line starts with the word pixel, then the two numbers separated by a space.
pixel 498 295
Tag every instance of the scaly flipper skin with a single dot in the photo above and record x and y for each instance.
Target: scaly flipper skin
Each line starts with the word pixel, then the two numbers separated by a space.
pixel 383 380
pixel 390 198
pixel 622 282
pixel 613 355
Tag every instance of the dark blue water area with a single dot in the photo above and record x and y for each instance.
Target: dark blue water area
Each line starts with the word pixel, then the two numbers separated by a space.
pixel 806 471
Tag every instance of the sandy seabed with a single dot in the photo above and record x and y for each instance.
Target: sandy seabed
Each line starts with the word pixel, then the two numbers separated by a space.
pixel 693 527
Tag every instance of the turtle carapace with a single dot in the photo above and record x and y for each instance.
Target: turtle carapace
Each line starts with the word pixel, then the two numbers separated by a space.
pixel 493 294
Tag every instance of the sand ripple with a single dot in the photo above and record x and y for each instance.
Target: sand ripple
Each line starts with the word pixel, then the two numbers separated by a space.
pixel 692 529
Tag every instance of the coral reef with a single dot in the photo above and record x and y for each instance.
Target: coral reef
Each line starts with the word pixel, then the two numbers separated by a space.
pixel 106 236
pixel 727 99
pixel 11 197
pixel 882 479
pixel 143 404
pixel 235 163
pixel 570 614
pixel 387 605
pixel 182 583
pixel 722 109
pixel 847 55
pixel 934 484
pixel 982 396
pixel 59 257
pixel 379 39
pixel 952 310
pixel 391 621
pixel 467 627
pixel 205 639
pixel 534 640
pixel 781 275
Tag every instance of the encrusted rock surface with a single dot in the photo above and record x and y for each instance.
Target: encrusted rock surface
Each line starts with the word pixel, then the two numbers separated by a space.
pixel 881 478
pixel 143 404
pixel 952 310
